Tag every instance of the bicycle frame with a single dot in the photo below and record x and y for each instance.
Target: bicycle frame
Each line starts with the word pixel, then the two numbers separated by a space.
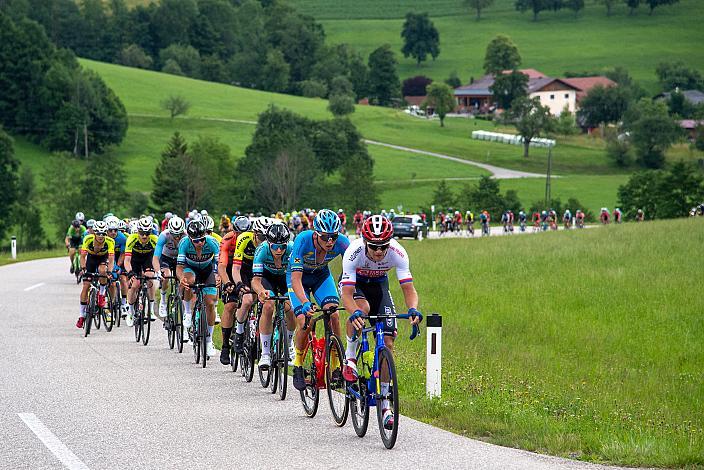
pixel 320 344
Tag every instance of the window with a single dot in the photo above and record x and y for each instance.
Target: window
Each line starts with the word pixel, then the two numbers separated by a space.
pixel 552 97
pixel 567 96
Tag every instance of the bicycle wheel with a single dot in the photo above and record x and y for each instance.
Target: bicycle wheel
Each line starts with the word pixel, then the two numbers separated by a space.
pixel 108 316
pixel 282 363
pixel 146 317
pixel 96 315
pixel 264 375
pixel 275 355
pixel 203 336
pixel 387 400
pixel 359 407
pixel 234 358
pixel 195 326
pixel 89 308
pixel 170 322
pixel 336 384
pixel 310 395
pixel 249 348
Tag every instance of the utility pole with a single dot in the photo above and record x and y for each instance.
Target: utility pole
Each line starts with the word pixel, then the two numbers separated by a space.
pixel 547 179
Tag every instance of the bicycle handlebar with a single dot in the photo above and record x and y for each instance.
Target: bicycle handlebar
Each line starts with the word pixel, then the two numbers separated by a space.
pixel 324 312
pixel 405 316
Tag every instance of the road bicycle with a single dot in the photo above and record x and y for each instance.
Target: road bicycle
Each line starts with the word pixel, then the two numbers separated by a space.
pixel 77 265
pixel 470 228
pixel 173 323
pixel 115 303
pixel 250 345
pixel 523 225
pixel 279 349
pixel 143 309
pixel 369 390
pixel 485 229
pixel 95 313
pixel 322 369
pixel 198 332
pixel 580 223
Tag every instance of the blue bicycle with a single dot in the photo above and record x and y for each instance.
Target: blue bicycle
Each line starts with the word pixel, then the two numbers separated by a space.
pixel 377 382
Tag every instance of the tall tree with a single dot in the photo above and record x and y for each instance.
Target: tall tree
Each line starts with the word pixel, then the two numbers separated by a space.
pixel 383 83
pixel 632 5
pixel 536 6
pixel 575 5
pixel 103 184
pixel 653 4
pixel 420 37
pixel 501 54
pixel 168 190
pixel 416 86
pixel 443 198
pixel 441 99
pixel 276 72
pixel 478 6
pixel 508 87
pixel 27 218
pixel 652 131
pixel 608 4
pixel 357 190
pixel 8 180
pixel 532 120
pixel 603 105
pixel 677 74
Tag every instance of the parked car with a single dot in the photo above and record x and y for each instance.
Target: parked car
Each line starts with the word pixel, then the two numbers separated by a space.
pixel 409 226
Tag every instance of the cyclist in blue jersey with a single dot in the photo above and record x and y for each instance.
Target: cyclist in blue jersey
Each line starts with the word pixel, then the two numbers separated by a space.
pixel 308 273
pixel 269 278
pixel 119 268
pixel 165 254
pixel 197 263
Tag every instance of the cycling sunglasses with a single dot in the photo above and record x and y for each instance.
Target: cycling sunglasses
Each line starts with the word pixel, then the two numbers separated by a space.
pixel 198 240
pixel 327 236
pixel 278 246
pixel 375 247
pixel 144 233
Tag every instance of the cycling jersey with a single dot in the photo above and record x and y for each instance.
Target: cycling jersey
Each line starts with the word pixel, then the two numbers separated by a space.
pixel 166 245
pixel 75 233
pixel 216 236
pixel 264 260
pixel 244 250
pixel 89 246
pixel 227 249
pixel 358 267
pixel 134 247
pixel 303 253
pixel 120 243
pixel 187 255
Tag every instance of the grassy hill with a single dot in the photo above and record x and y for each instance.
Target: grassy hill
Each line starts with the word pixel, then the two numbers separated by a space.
pixel 556 43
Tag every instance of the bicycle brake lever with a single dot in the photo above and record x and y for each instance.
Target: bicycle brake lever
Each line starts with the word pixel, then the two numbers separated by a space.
pixel 415 332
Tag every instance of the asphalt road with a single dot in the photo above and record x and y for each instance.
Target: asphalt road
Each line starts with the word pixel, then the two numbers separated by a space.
pixel 107 402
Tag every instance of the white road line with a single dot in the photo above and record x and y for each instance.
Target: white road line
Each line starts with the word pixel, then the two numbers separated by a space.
pixel 52 442
pixel 34 286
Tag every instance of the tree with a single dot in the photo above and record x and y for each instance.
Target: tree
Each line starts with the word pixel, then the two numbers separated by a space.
pixel 341 85
pixel 676 74
pixel 276 72
pixel 102 185
pixel 603 105
pixel 172 68
pixel 536 6
pixel 441 99
pixel 608 4
pixel 61 171
pixel 501 54
pixel 8 179
pixel 341 104
pixel 699 139
pixel 358 190
pixel 532 119
pixel 313 89
pixel 575 5
pixel 187 58
pixel 632 5
pixel 172 22
pixel 167 182
pixel 478 5
pixel 134 56
pixel 652 131
pixel 508 87
pixel 420 37
pixel 453 80
pixel 443 197
pixel 486 195
pixel 176 105
pixel 565 124
pixel 26 216
pixel 653 4
pixel 383 83
pixel 618 148
pixel 416 86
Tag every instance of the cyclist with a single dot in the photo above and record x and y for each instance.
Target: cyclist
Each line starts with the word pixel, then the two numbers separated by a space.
pixel 604 216
pixel 365 290
pixel 74 235
pixel 358 219
pixel 197 263
pixel 567 219
pixel 242 264
pixel 269 278
pixel 343 221
pixel 118 271
pixel 458 221
pixel 469 220
pixel 536 220
pixel 580 218
pixel 165 222
pixel 552 218
pixel 307 273
pixel 240 225
pixel 166 253
pixel 225 225
pixel 511 219
pixel 139 259
pixel 640 216
pixel 617 215
pixel 97 256
pixel 89 228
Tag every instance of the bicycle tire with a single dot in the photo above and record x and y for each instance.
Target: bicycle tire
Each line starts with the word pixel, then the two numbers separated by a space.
pixel 195 320
pixel 97 315
pixel 359 407
pixel 204 336
pixel 273 369
pixel 386 361
pixel 282 365
pixel 170 322
pixel 146 318
pixel 108 301
pixel 234 359
pixel 310 396
pixel 88 319
pixel 248 350
pixel 264 376
pixel 179 325
pixel 337 389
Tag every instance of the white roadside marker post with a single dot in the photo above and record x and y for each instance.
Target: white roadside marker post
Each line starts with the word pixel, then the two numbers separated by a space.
pixel 433 374
pixel 13 245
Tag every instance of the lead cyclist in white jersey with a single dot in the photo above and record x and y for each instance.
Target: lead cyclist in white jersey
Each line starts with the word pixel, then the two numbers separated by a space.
pixel 365 289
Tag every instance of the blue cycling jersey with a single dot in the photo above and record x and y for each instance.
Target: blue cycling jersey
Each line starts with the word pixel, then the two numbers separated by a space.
pixel 120 241
pixel 187 255
pixel 303 253
pixel 166 245
pixel 264 260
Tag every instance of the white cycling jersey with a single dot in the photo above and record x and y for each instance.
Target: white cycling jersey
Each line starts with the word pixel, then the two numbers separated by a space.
pixel 357 265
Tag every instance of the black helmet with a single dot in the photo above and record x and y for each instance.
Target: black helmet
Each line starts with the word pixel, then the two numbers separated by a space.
pixel 278 234
pixel 196 229
pixel 76 223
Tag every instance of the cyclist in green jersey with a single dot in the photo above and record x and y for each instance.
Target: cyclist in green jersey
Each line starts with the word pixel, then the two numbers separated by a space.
pixel 74 237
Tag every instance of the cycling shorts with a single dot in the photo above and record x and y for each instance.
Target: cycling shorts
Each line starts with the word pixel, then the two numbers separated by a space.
pixel 92 264
pixel 275 283
pixel 141 265
pixel 203 276
pixel 319 283
pixel 380 301
pixel 75 242
pixel 168 262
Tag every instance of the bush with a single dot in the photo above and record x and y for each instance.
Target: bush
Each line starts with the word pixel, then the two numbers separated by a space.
pixel 134 56
pixel 618 148
pixel 415 86
pixel 313 89
pixel 341 105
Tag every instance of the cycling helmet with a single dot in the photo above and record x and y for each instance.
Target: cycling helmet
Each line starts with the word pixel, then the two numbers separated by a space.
pixel 144 225
pixel 326 221
pixel 640 211
pixel 261 224
pixel 209 223
pixel 377 229
pixel 121 225
pixel 168 215
pixel 242 224
pixel 100 227
pixel 90 223
pixel 340 211
pixel 203 213
pixel 113 224
pixel 278 233
pixel 196 229
pixel 111 219
pixel 176 225
pixel 76 223
pixel 80 216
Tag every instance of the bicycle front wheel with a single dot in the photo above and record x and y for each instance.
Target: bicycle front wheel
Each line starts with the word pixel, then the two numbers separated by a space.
pixel 310 396
pixel 387 399
pixel 146 318
pixel 336 384
pixel 282 361
pixel 108 313
pixel 170 323
pixel 89 312
pixel 203 337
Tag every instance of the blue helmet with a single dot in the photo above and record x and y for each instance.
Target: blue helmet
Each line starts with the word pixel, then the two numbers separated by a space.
pixel 326 221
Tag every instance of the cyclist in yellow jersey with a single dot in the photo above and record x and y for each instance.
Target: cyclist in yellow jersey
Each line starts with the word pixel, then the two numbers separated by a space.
pixel 97 256
pixel 139 259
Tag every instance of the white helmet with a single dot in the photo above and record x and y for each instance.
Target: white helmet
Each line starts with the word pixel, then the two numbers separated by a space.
pixel 168 215
pixel 209 223
pixel 176 225
pixel 80 216
pixel 133 226
pixel 90 223
pixel 121 225
pixel 260 225
pixel 100 227
pixel 113 223
pixel 144 225
pixel 203 212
